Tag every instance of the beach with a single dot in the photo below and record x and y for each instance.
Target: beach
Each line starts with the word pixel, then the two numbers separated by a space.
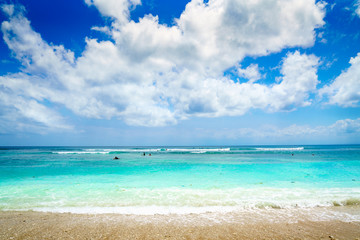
pixel 227 192
pixel 38 225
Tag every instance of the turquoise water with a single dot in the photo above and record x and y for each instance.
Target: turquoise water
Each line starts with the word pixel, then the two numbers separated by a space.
pixel 178 179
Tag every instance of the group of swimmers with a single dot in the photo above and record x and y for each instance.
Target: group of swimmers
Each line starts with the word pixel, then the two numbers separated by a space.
pixel 144 154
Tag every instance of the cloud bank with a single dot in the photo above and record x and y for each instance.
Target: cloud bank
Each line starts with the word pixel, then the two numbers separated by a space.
pixel 150 74
pixel 344 127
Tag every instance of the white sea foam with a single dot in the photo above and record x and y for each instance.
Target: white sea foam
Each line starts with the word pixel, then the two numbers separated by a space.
pixel 285 204
pixel 167 200
pixel 281 149
pixel 134 150
pixel 146 150
pixel 81 152
pixel 206 215
pixel 198 150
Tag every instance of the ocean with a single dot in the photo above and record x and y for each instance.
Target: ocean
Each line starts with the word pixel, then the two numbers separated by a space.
pixel 181 180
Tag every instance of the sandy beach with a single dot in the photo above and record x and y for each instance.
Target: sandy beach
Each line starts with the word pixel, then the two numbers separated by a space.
pixel 236 193
pixel 39 225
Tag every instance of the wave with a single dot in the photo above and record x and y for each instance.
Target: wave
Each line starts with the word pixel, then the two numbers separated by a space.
pixel 116 196
pixel 290 204
pixel 146 150
pixel 80 152
pixel 197 150
pixel 140 150
pixel 175 150
pixel 280 149
pixel 261 213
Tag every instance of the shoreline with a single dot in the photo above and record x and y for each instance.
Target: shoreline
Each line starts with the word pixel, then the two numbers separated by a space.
pixel 44 225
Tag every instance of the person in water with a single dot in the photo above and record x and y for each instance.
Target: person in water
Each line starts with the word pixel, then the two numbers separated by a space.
pixel 115 158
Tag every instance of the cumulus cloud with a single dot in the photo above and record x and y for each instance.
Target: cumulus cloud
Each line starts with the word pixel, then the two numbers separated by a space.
pixel 212 97
pixel 299 79
pixel 117 9
pixel 151 74
pixel 214 36
pixel 345 89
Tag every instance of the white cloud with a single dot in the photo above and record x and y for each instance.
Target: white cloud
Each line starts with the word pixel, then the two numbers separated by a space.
pixel 357 6
pixel 212 97
pixel 118 9
pixel 349 126
pixel 8 9
pixel 251 73
pixel 214 36
pixel 345 90
pixel 299 79
pixel 340 127
pixel 346 127
pixel 15 108
pixel 156 75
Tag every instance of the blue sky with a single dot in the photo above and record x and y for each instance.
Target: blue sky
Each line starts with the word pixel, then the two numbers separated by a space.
pixel 153 72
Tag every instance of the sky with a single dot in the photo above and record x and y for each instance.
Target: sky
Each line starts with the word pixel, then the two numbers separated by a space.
pixel 200 72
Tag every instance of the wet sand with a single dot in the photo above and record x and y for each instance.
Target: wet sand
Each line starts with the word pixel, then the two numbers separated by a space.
pixel 39 225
